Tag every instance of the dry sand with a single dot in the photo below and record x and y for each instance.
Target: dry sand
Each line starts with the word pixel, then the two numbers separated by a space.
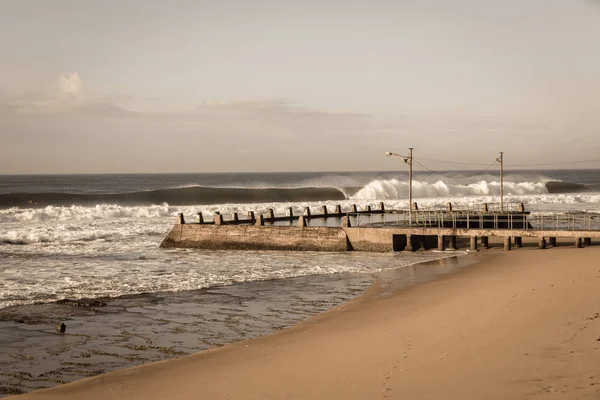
pixel 518 325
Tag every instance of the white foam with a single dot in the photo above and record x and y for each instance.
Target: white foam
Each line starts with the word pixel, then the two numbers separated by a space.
pixel 391 189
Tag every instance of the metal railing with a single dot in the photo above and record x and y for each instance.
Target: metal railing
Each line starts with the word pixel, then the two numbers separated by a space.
pixel 580 221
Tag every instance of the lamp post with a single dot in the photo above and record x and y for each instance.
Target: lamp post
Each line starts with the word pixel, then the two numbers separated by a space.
pixel 408 160
pixel 501 161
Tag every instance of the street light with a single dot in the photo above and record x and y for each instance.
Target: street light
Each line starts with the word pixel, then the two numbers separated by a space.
pixel 501 161
pixel 407 160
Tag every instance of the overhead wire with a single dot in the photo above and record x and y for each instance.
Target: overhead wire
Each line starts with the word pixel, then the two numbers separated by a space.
pixel 462 176
pixel 448 162
pixel 557 163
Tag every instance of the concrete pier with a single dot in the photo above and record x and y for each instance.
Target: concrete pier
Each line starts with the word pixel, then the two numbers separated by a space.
pixel 452 244
pixel 394 231
pixel 409 244
pixel 290 212
pixel 473 243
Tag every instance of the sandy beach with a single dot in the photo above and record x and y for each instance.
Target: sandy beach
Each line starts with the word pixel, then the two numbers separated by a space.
pixel 521 325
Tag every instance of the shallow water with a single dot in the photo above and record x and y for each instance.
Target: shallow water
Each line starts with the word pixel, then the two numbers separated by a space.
pixel 107 334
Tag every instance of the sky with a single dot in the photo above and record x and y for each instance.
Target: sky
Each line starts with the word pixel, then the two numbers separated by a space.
pixel 134 86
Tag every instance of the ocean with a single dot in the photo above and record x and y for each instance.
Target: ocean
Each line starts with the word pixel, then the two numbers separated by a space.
pixel 84 249
pixel 88 236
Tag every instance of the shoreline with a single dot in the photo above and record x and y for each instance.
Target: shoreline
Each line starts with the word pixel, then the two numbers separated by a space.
pixel 108 334
pixel 516 325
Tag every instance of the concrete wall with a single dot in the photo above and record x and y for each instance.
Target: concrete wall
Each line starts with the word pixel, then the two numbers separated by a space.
pixel 252 237
pixel 370 239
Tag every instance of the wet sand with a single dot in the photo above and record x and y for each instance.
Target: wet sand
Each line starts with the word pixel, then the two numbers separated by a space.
pixel 522 325
pixel 114 333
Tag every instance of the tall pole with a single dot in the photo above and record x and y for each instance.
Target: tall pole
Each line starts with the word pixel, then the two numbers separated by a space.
pixel 502 181
pixel 410 167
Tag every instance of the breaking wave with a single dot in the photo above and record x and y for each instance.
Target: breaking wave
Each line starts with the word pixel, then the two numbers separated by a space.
pixel 384 189
pixel 396 189
pixel 178 196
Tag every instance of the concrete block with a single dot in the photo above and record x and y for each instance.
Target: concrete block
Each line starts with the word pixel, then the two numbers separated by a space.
pixel 251 216
pixel 415 206
pixel 218 219
pixel 507 243
pixel 484 207
pixel 440 245
pixel 368 209
pixel 271 214
pixel 578 243
pixel 200 218
pixel 542 243
pixel 324 211
pixel 301 222
pixel 521 208
pixel 260 221
pixel 381 206
pixel 449 207
pixel 180 219
pixel 338 209
pixel 353 209
pixel 307 211
pixel 235 217
pixel 290 212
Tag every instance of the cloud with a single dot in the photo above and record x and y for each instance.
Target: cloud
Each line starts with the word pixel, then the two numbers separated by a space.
pixel 70 84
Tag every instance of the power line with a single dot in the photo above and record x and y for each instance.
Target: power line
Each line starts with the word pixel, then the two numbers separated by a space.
pixel 558 163
pixel 461 176
pixel 449 162
pixel 512 165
